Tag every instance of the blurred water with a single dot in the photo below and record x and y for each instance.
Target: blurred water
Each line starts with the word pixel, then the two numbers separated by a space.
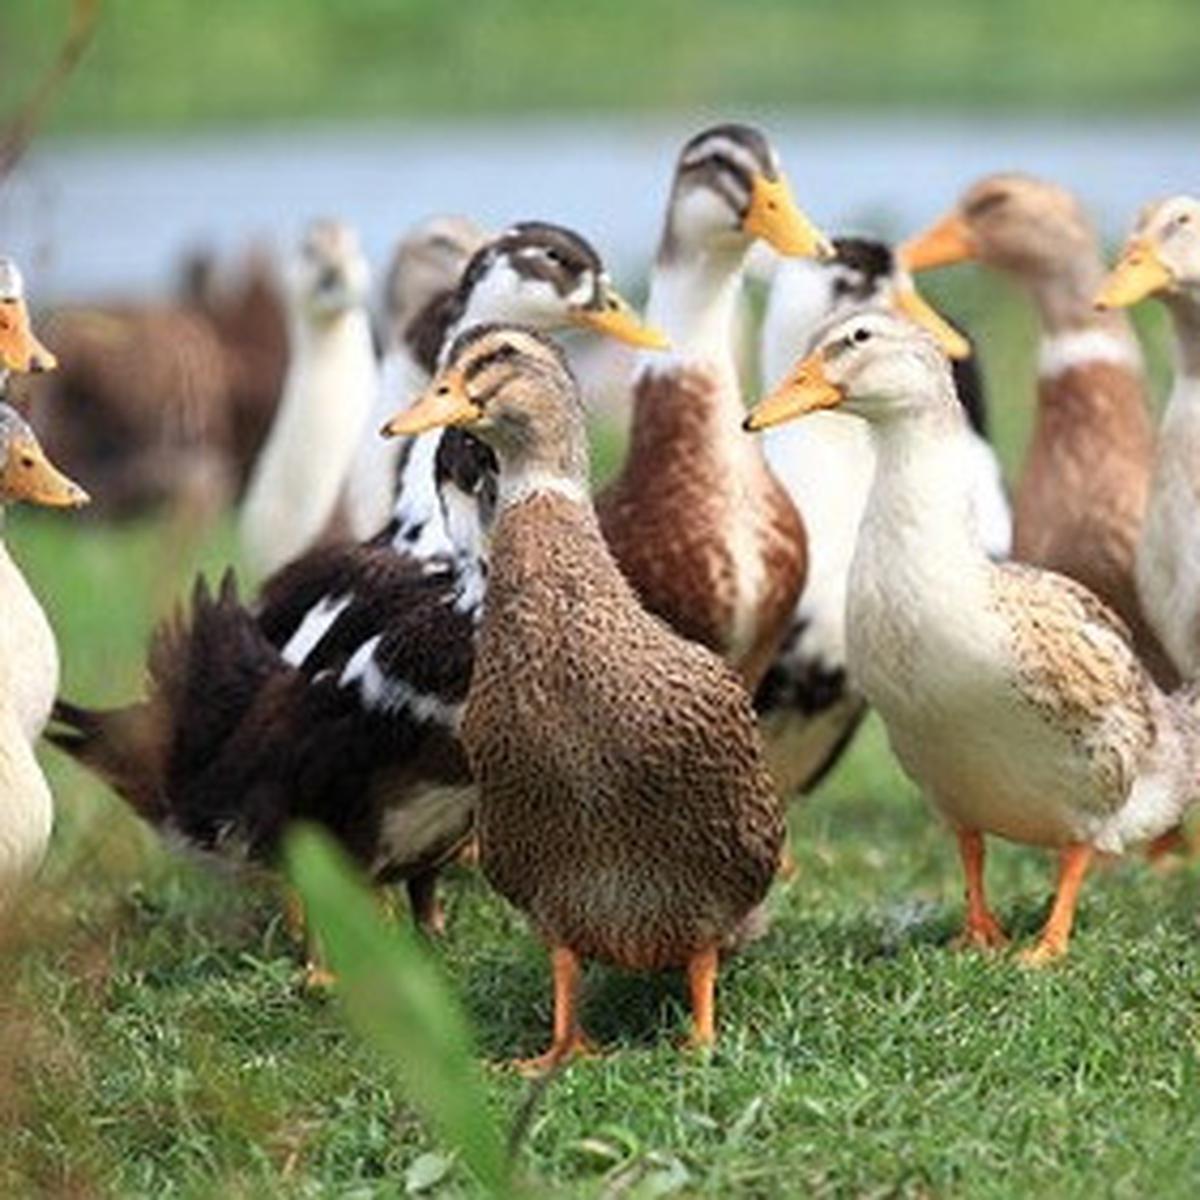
pixel 103 217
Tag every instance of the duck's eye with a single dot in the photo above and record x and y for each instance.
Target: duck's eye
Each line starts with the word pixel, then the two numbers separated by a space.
pixel 861 335
pixel 27 462
pixel 1183 219
pixel 444 390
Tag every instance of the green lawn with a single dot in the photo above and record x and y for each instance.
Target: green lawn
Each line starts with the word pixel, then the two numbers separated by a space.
pixel 164 64
pixel 155 1041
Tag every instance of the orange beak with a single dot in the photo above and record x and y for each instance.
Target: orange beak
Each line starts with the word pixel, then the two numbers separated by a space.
pixel 616 318
pixel 948 241
pixel 1139 273
pixel 911 304
pixel 29 475
pixel 807 389
pixel 19 349
pixel 443 404
pixel 775 217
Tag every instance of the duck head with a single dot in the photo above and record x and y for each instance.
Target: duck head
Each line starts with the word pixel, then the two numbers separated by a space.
pixel 1161 257
pixel 1016 223
pixel 729 190
pixel 19 349
pixel 864 273
pixel 328 275
pixel 427 261
pixel 511 387
pixel 548 277
pixel 26 474
pixel 874 365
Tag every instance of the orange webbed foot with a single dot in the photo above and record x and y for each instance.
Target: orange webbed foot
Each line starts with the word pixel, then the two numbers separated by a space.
pixel 559 1054
pixel 1042 954
pixel 982 932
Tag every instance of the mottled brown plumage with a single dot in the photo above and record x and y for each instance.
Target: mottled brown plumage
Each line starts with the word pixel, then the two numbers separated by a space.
pixel 624 804
pixel 671 516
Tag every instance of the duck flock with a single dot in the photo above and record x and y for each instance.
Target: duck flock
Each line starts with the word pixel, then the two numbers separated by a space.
pixel 458 649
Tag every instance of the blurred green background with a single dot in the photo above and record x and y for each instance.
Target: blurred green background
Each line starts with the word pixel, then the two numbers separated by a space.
pixel 161 64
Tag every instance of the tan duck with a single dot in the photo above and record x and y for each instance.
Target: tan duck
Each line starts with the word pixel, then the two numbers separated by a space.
pixel 624 804
pixel 1162 258
pixel 1082 493
pixel 706 534
pixel 1011 695
pixel 28 663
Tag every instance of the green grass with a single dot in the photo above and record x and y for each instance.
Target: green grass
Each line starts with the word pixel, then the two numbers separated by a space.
pixel 155 1040
pixel 166 64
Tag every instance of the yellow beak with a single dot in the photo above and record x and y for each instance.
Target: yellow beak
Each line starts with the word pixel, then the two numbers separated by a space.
pixel 1139 273
pixel 444 403
pixel 948 241
pixel 19 349
pixel 617 319
pixel 775 217
pixel 806 390
pixel 911 304
pixel 30 476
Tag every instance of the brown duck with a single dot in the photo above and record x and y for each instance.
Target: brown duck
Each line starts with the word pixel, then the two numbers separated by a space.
pixel 706 534
pixel 624 804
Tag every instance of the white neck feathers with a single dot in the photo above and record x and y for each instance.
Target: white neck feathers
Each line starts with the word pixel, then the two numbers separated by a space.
pixel 1074 348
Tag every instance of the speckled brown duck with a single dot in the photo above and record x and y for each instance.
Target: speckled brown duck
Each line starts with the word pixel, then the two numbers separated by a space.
pixel 710 540
pixel 624 803
pixel 1082 494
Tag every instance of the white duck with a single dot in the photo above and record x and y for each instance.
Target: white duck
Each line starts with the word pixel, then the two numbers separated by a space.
pixel 425 267
pixel 1011 695
pixel 327 395
pixel 808 711
pixel 28 663
pixel 1162 258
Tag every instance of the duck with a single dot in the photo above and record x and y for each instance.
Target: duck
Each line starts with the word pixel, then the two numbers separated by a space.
pixel 1162 259
pixel 535 273
pixel 28 660
pixel 426 266
pixel 809 711
pixel 625 806
pixel 327 396
pixel 1012 695
pixel 20 350
pixel 1082 493
pixel 695 518
pixel 239 736
pixel 336 694
pixel 243 303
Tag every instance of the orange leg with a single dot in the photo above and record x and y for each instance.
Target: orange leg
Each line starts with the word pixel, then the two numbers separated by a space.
pixel 1167 845
pixel 981 930
pixel 1073 864
pixel 427 909
pixel 569 1038
pixel 702 983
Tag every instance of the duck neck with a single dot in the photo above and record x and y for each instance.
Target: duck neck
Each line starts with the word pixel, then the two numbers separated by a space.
pixel 1074 332
pixel 1184 307
pixel 559 468
pixel 919 514
pixel 694 300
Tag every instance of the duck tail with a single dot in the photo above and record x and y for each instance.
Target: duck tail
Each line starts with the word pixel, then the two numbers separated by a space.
pixel 204 676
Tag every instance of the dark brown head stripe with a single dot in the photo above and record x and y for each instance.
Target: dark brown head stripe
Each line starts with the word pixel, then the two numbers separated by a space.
pixel 987 202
